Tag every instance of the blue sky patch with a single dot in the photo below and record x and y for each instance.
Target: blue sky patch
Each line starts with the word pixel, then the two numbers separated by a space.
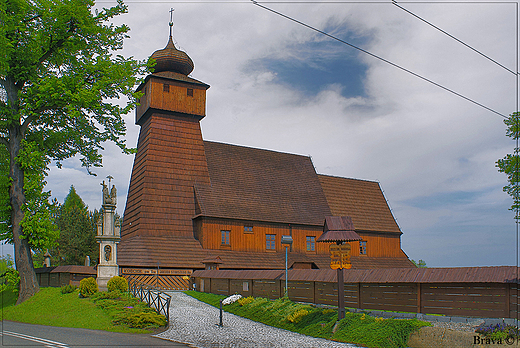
pixel 312 67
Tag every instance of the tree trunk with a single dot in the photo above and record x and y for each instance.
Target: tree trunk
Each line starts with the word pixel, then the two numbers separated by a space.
pixel 22 252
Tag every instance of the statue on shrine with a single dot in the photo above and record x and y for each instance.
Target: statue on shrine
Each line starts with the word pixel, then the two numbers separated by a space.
pixel 108 235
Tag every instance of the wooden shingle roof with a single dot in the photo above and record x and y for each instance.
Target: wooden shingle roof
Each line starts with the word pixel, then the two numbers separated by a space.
pixel 362 200
pixel 494 274
pixel 261 185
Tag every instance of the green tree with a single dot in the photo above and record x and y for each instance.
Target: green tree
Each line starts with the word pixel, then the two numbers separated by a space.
pixel 510 164
pixel 58 75
pixel 419 264
pixel 77 231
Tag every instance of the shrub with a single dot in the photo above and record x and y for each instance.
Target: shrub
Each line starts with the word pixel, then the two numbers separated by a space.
pixel 88 287
pixel 297 316
pixel 329 310
pixel 498 331
pixel 144 320
pixel 244 301
pixel 10 279
pixel 67 289
pixel 117 283
pixel 103 295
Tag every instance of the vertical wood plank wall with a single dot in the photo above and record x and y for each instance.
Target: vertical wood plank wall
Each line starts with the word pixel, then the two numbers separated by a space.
pixel 484 300
pixel 207 231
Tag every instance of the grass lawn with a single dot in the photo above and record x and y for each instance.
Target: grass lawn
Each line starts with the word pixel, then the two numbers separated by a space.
pixel 357 328
pixel 50 307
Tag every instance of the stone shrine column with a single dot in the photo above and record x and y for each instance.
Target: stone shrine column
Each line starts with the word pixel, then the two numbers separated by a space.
pixel 108 236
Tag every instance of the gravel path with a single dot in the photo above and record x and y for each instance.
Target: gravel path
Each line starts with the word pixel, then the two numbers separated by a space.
pixel 467 327
pixel 195 323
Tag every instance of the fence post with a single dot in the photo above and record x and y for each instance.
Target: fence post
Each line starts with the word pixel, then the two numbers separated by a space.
pixel 220 324
pixel 359 302
pixel 419 297
pixel 168 311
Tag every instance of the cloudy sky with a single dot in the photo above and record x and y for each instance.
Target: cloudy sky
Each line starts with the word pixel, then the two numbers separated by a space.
pixel 278 85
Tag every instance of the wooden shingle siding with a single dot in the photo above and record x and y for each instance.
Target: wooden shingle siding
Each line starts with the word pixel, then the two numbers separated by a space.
pixel 161 198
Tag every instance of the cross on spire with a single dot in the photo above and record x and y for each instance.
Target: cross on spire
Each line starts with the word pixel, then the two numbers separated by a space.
pixel 171 20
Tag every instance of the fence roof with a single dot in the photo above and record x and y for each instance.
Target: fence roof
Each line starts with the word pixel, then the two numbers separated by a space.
pixel 74 269
pixel 495 274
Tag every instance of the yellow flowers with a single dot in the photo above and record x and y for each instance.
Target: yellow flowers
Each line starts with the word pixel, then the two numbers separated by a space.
pixel 297 316
pixel 243 301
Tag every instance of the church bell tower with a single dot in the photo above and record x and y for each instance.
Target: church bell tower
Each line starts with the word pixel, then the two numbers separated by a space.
pixel 170 157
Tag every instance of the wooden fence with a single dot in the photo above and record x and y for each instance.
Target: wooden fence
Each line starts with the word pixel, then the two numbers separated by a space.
pixel 485 299
pixel 155 298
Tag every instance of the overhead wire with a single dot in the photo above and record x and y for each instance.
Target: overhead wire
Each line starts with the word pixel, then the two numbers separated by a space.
pixel 453 37
pixel 378 57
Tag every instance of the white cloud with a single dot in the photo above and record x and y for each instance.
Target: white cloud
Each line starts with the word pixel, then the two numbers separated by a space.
pixel 416 139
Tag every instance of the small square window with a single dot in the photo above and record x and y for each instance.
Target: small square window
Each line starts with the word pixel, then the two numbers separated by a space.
pixel 224 237
pixel 245 286
pixel 362 247
pixel 311 243
pixel 166 88
pixel 190 92
pixel 270 240
pixel 248 229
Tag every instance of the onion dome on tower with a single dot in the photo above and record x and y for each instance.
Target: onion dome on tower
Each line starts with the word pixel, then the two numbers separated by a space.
pixel 173 60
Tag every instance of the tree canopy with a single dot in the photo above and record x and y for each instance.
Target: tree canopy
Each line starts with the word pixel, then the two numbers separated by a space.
pixel 510 164
pixel 77 231
pixel 58 79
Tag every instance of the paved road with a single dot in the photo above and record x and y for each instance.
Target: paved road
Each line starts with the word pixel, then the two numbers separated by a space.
pixel 27 335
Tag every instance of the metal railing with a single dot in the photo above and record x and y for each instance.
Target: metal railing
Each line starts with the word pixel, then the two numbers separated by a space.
pixel 157 299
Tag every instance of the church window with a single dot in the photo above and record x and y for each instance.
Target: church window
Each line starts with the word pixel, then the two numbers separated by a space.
pixel 270 240
pixel 190 92
pixel 248 229
pixel 224 237
pixel 166 87
pixel 311 243
pixel 363 247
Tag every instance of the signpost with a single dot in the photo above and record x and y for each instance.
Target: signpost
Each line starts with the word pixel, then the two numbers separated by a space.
pixel 340 256
pixel 339 230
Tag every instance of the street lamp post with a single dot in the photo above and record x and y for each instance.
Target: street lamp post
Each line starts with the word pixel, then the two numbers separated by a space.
pixel 287 240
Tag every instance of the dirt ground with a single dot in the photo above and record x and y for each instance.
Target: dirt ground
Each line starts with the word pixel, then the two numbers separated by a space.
pixel 437 337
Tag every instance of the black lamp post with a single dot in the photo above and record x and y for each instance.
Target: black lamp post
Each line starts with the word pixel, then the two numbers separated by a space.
pixel 287 240
pixel 339 230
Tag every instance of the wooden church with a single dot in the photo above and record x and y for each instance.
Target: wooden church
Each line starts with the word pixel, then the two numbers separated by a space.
pixel 195 204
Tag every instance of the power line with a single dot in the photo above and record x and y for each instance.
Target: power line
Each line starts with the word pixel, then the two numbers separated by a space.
pixel 380 58
pixel 453 37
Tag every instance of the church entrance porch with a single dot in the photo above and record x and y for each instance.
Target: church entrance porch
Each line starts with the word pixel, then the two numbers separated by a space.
pixel 161 279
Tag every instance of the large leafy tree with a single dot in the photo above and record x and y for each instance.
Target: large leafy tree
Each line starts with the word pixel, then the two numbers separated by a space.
pixel 77 231
pixel 510 164
pixel 58 75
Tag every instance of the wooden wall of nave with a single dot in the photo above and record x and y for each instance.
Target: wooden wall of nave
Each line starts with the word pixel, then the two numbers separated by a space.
pixel 208 232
